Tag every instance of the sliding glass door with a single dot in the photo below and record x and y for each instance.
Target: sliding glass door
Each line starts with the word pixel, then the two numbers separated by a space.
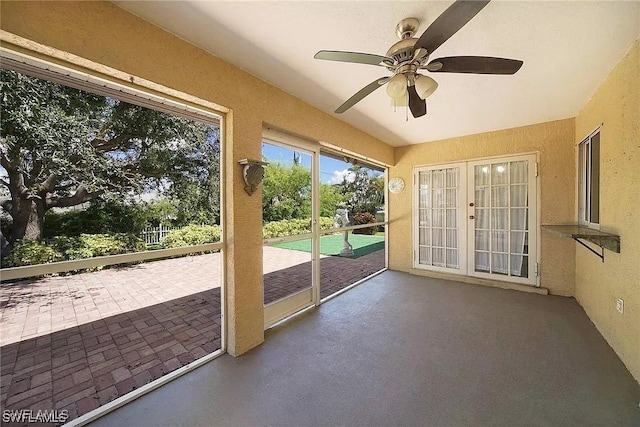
pixel 323 223
pixel 288 209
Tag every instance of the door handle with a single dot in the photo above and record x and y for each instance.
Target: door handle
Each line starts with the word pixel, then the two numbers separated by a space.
pixel 471 217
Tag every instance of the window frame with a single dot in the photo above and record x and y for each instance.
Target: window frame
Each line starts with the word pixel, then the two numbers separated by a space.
pixel 107 81
pixel 589 174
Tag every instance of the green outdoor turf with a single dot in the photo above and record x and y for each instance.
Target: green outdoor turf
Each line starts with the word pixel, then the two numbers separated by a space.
pixel 334 243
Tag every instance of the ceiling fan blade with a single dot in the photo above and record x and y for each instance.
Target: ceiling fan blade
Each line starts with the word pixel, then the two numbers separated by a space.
pixel 474 65
pixel 447 24
pixel 354 57
pixel 417 105
pixel 358 96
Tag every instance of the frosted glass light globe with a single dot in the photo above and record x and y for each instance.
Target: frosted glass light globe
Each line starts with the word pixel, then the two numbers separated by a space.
pixel 397 86
pixel 425 86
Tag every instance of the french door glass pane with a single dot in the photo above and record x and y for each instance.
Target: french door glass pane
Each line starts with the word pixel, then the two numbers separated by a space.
pixel 425 255
pixel 482 197
pixel 438 257
pixel 452 258
pixel 481 175
pixel 519 243
pixel 500 196
pixel 519 172
pixel 452 198
pixel 499 174
pixel 500 219
pixel 452 238
pixel 499 242
pixel 482 262
pixel 438 178
pixel 425 218
pixel 499 263
pixel 482 219
pixel 438 237
pixel 482 240
pixel 425 237
pixel 453 177
pixel 424 197
pixel 519 218
pixel 518 196
pixel 452 218
pixel 437 197
pixel 519 266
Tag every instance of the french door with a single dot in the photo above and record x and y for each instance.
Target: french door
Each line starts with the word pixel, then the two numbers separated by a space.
pixel 478 218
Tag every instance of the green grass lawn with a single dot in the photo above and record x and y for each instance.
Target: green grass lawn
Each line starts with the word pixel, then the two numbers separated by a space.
pixel 333 244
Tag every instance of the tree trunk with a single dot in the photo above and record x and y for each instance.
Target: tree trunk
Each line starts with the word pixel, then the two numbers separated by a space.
pixel 28 219
pixel 5 247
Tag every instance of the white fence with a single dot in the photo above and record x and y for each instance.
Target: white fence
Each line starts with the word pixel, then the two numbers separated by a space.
pixel 153 235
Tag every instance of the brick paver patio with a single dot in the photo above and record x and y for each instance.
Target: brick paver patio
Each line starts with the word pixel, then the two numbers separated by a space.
pixel 336 273
pixel 77 342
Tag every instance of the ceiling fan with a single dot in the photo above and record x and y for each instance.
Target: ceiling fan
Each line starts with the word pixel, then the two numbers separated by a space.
pixel 406 57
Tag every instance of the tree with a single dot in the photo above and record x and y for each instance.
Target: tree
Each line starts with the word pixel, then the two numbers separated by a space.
pixel 61 147
pixel 286 192
pixel 364 190
pixel 330 199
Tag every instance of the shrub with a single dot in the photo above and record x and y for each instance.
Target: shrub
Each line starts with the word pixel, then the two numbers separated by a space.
pixel 289 227
pixel 326 223
pixel 93 245
pixel 99 218
pixel 30 252
pixel 365 218
pixel 64 248
pixel 192 235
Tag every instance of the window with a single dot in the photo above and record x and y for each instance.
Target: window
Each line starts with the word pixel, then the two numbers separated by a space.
pixel 589 180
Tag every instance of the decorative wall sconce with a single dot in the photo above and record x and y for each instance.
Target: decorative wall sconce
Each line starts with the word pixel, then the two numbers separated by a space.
pixel 253 172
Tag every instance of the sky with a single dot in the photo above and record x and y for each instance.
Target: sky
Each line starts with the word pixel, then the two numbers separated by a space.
pixel 332 171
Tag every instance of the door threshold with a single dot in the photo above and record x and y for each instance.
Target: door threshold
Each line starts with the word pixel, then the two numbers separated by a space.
pixel 480 281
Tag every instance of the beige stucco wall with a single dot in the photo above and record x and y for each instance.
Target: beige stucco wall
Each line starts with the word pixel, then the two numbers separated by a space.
pixel 108 35
pixel 553 142
pixel 616 104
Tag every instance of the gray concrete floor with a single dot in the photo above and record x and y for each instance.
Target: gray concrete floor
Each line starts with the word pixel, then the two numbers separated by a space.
pixel 408 350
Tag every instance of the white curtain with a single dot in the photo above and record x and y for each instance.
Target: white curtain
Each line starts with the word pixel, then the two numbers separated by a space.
pixel 438 217
pixel 519 203
pixel 501 200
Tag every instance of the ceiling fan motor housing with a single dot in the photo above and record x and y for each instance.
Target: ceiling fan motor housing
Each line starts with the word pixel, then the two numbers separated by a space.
pixel 402 51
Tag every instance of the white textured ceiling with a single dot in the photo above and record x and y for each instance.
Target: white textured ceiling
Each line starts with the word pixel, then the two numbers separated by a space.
pixel 568 49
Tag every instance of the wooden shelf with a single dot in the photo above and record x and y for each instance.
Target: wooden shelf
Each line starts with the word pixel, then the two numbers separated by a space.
pixel 580 232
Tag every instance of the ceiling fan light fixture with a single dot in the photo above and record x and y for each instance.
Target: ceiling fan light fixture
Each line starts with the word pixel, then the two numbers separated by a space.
pixel 425 86
pixel 400 101
pixel 397 86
